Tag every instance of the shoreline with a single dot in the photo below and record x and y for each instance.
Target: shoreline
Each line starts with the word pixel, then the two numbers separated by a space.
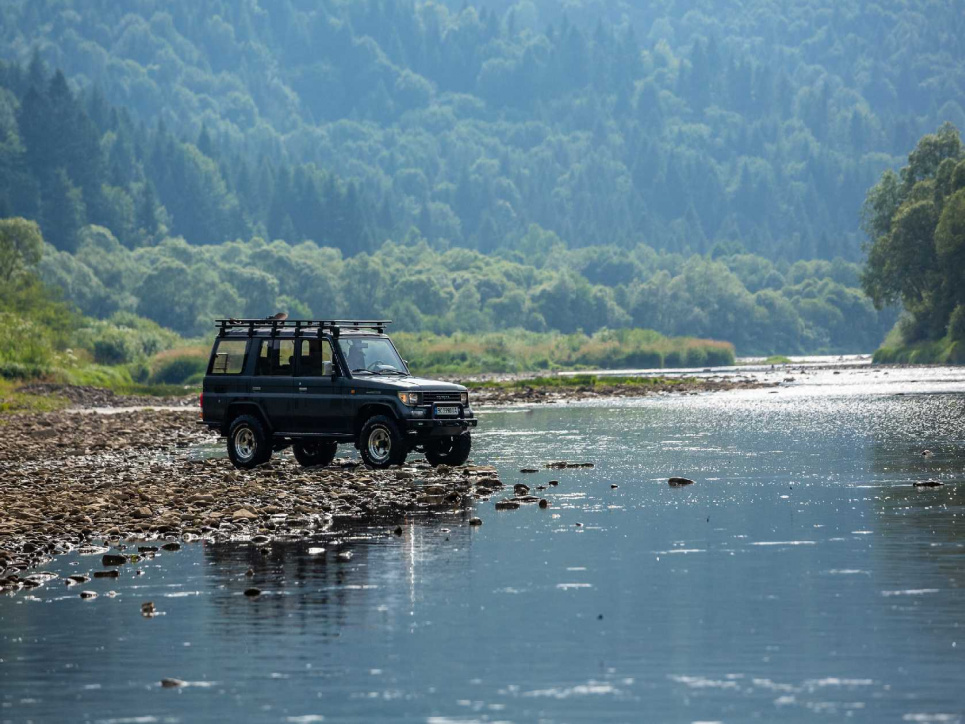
pixel 77 479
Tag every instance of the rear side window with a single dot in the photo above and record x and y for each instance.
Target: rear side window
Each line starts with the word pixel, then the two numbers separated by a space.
pixel 229 357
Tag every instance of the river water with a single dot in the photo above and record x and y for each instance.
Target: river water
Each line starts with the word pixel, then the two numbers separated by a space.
pixel 802 578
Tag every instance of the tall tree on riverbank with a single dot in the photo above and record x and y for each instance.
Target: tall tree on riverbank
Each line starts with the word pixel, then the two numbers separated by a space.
pixel 915 220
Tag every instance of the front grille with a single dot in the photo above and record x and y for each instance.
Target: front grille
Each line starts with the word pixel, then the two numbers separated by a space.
pixel 430 397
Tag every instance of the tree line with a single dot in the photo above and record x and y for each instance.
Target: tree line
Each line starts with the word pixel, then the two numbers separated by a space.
pixel 759 306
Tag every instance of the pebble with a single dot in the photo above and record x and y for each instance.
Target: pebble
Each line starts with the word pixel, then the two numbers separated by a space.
pixel 172 683
pixel 507 504
pixel 475 521
pixel 88 594
pixel 127 476
pixel 929 484
pixel 252 592
pixel 107 574
pixel 520 489
pixel 678 482
pixel 528 470
pixel 544 503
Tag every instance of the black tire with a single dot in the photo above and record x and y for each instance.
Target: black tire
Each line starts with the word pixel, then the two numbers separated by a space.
pixel 449 450
pixel 381 443
pixel 311 453
pixel 248 443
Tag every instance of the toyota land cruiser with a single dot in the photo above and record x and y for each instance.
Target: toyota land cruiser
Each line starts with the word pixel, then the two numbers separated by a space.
pixel 312 384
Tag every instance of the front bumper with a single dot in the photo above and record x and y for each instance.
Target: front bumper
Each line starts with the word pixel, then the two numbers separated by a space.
pixel 438 427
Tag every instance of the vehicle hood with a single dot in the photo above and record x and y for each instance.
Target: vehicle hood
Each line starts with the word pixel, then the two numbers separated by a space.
pixel 413 383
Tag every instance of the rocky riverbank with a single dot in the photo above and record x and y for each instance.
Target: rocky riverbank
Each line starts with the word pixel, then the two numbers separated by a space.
pixel 523 391
pixel 86 480
pixel 83 479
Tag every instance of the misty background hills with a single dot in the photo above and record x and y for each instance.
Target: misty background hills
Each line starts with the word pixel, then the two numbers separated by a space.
pixel 664 164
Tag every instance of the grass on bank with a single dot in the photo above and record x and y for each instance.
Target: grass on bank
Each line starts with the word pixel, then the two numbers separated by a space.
pixel 570 381
pixel 518 351
pixel 938 352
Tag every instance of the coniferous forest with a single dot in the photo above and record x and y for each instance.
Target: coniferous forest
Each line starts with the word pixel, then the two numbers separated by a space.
pixel 695 168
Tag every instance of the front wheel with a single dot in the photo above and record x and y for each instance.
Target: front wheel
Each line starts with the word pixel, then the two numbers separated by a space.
pixel 381 443
pixel 248 444
pixel 449 450
pixel 309 454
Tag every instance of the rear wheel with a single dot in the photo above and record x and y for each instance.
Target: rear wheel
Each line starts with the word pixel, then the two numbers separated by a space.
pixel 310 453
pixel 248 443
pixel 449 450
pixel 381 443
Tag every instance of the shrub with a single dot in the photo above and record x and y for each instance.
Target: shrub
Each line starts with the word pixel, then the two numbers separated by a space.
pixel 956 324
pixel 178 369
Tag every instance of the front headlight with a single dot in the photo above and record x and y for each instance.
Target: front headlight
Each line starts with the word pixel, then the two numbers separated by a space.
pixel 410 398
pixel 464 398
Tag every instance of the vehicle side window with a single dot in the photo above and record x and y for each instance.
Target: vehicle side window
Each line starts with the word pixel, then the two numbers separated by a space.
pixel 229 357
pixel 263 363
pixel 283 360
pixel 314 358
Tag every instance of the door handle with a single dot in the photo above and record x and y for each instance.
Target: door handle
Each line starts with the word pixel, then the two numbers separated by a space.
pixel 256 389
pixel 303 389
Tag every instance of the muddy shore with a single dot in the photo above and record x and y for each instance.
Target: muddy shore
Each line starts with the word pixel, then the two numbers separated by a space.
pixel 102 483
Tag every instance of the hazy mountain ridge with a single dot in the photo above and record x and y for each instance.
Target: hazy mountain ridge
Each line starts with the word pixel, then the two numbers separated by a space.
pixel 678 125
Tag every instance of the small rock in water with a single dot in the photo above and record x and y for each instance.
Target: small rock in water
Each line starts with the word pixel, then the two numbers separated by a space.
pixel 344 555
pixel 929 484
pixel 147 549
pixel 88 594
pixel 528 470
pixel 554 483
pixel 172 683
pixel 520 489
pixel 544 503
pixel 111 559
pixel 475 521
pixel 107 574
pixel 250 572
pixel 506 504
pixel 926 453
pixel 252 592
pixel 148 610
pixel 398 530
pixel 613 486
pixel 315 551
pixel 677 482
pixel 171 547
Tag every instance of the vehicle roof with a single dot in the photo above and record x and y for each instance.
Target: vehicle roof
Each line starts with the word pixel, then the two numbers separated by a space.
pixel 263 332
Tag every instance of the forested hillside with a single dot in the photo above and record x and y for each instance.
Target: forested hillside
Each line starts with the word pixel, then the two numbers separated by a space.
pixel 694 168
pixel 679 125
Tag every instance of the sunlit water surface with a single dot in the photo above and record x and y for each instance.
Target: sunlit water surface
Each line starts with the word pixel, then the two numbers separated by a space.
pixel 801 578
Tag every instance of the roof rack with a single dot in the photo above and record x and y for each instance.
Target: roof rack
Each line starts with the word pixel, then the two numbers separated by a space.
pixel 301 326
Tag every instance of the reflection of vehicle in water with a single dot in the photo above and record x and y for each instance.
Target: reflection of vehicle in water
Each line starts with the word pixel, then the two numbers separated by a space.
pixel 328 588
pixel 313 384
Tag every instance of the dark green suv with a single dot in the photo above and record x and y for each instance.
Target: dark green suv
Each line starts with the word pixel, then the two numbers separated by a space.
pixel 313 384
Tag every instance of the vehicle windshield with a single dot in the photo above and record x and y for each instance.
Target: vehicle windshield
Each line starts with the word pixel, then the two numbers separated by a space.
pixel 374 355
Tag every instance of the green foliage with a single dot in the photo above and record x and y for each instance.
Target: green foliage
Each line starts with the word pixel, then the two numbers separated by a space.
pixel 521 351
pixel 916 221
pixel 185 287
pixel 21 246
pixel 179 367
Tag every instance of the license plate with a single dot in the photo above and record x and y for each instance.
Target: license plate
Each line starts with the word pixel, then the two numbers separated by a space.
pixel 447 410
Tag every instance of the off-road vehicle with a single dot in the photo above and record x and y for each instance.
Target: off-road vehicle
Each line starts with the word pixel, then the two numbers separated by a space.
pixel 313 384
